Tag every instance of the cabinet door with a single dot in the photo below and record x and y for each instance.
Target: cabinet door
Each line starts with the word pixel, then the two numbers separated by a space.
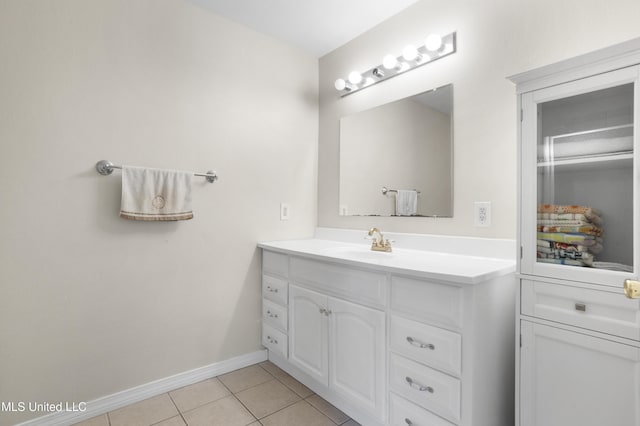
pixel 569 378
pixel 357 354
pixel 579 215
pixel 308 342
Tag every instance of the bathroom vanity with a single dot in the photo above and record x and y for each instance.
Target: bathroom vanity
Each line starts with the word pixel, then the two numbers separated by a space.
pixel 423 335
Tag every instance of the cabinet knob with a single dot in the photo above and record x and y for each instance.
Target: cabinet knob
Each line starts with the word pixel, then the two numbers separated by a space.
pixel 632 289
pixel 407 421
pixel 419 344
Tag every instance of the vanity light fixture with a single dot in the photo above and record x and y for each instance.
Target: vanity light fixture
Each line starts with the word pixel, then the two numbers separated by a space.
pixel 435 47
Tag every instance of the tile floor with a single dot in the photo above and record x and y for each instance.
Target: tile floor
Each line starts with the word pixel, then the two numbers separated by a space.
pixel 261 394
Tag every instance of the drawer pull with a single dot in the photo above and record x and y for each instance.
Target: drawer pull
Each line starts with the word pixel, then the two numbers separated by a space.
pixel 272 315
pixel 407 421
pixel 632 289
pixel 272 290
pixel 274 341
pixel 419 344
pixel 326 312
pixel 581 307
pixel 418 386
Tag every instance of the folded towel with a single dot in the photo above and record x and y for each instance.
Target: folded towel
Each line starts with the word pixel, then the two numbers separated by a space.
pixel 153 194
pixel 592 215
pixel 593 218
pixel 406 202
pixel 577 239
pixel 570 262
pixel 563 222
pixel 584 229
pixel 545 246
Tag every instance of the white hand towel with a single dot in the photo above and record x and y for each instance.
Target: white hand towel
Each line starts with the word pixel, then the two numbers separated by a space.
pixel 154 194
pixel 406 202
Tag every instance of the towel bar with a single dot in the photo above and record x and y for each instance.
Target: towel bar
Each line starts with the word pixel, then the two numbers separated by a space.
pixel 105 168
pixel 385 190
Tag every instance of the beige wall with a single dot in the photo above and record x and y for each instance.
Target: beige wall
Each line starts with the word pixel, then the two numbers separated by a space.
pixel 92 304
pixel 496 38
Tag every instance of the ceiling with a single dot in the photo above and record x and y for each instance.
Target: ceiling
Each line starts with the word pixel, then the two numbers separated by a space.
pixel 316 26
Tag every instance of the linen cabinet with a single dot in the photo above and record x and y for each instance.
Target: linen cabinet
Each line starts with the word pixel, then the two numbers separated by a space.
pixel 578 350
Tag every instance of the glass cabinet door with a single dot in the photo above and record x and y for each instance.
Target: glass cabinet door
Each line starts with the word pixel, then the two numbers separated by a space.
pixel 579 181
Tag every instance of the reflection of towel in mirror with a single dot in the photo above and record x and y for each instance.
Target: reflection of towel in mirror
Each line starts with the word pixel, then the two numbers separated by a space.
pixel 406 202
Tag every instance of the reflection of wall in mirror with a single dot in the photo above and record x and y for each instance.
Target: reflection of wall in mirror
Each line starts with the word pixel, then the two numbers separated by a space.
pixel 402 145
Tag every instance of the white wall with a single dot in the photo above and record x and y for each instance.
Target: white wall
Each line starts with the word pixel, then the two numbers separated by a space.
pixel 92 304
pixel 496 38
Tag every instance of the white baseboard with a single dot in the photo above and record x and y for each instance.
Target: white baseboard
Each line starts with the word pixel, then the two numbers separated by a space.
pixel 148 390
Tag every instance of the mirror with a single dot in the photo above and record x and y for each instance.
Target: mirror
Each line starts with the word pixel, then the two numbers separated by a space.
pixel 396 159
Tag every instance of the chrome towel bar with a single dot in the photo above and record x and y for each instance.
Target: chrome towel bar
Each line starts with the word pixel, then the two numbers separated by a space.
pixel 385 190
pixel 105 168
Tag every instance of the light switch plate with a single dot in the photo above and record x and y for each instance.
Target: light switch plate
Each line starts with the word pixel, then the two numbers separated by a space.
pixel 285 211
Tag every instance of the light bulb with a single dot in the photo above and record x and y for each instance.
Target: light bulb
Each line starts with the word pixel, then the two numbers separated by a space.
pixel 340 84
pixel 410 53
pixel 389 62
pixel 355 77
pixel 433 43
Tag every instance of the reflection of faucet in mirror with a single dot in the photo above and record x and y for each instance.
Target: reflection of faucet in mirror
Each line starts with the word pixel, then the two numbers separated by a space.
pixel 379 244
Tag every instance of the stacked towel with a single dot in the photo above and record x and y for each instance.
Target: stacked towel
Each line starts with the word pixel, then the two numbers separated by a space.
pixel 153 194
pixel 568 235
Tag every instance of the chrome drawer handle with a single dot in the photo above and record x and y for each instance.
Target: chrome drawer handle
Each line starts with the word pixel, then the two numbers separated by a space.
pixel 326 312
pixel 272 315
pixel 419 344
pixel 272 290
pixel 274 341
pixel 418 386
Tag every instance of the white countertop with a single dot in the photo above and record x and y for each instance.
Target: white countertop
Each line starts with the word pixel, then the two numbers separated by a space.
pixel 460 268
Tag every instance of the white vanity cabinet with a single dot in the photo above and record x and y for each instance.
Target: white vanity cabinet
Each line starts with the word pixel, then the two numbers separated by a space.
pixel 339 343
pixel 275 289
pixel 391 348
pixel 578 357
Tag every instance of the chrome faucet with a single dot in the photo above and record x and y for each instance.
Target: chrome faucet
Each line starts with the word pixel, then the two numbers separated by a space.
pixel 379 244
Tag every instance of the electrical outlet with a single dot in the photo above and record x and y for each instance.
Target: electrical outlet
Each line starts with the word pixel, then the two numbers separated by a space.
pixel 285 211
pixel 482 213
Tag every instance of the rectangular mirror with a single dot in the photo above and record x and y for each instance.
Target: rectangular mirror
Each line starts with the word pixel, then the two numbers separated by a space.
pixel 396 159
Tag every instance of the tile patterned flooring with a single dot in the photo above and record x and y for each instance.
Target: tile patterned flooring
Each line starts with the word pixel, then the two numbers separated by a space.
pixel 260 394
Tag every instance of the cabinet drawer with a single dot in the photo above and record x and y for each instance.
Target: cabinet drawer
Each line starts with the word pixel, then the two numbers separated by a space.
pixel 433 346
pixel 274 289
pixel 349 283
pixel 405 413
pixel 274 340
pixel 274 314
pixel 275 263
pixel 602 311
pixel 426 387
pixel 436 303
